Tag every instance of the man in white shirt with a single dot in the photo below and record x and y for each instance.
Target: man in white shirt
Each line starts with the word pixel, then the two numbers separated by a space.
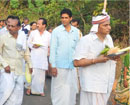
pixel 96 72
pixel 12 53
pixel 39 43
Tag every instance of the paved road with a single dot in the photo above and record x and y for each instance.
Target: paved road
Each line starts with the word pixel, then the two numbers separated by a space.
pixel 38 100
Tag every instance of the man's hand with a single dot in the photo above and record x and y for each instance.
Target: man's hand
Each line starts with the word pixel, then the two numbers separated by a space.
pixel 30 70
pixel 36 46
pixel 7 69
pixel 54 72
pixel 116 58
pixel 101 59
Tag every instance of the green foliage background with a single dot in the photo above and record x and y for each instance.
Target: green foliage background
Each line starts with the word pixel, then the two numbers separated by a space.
pixel 82 10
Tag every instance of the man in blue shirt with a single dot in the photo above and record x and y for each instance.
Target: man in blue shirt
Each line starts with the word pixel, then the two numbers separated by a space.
pixel 63 42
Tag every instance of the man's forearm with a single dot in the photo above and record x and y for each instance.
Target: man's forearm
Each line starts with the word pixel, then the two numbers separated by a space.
pixel 84 62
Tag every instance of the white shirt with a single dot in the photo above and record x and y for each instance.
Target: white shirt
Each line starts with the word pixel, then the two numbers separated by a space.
pixel 39 55
pixel 26 26
pixel 21 39
pixel 21 42
pixel 9 55
pixel 98 77
pixel 3 31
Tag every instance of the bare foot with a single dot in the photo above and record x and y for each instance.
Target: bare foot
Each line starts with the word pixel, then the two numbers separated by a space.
pixel 42 94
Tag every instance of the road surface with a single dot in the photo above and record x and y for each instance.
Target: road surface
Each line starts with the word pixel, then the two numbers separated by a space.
pixel 38 100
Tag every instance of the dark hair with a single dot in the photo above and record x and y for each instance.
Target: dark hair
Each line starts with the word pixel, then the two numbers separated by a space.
pixel 76 20
pixel 10 17
pixel 66 11
pixel 14 17
pixel 17 18
pixel 32 23
pixel 48 28
pixel 3 20
pixel 44 21
pixel 25 18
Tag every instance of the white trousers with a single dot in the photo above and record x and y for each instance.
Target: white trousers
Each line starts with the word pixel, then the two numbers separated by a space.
pixel 64 87
pixel 89 98
pixel 38 81
pixel 11 89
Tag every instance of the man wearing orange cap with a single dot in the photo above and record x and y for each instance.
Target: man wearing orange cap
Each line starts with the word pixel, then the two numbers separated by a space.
pixel 96 72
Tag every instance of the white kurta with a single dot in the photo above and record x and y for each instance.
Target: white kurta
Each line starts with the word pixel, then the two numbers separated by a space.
pixel 39 55
pixel 39 59
pixel 99 77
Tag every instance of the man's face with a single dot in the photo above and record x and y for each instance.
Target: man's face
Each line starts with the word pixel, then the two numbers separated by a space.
pixel 75 24
pixel 40 26
pixel 12 27
pixel 50 30
pixel 65 19
pixel 2 23
pixel 104 28
pixel 8 21
pixel 34 26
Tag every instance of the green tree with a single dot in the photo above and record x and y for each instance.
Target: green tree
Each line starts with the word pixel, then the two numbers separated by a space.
pixel 81 9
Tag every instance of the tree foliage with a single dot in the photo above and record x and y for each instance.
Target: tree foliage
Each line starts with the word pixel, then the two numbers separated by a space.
pixel 82 10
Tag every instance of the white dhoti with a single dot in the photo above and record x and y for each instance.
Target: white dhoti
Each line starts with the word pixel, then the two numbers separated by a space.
pixel 89 98
pixel 38 81
pixel 64 87
pixel 11 89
